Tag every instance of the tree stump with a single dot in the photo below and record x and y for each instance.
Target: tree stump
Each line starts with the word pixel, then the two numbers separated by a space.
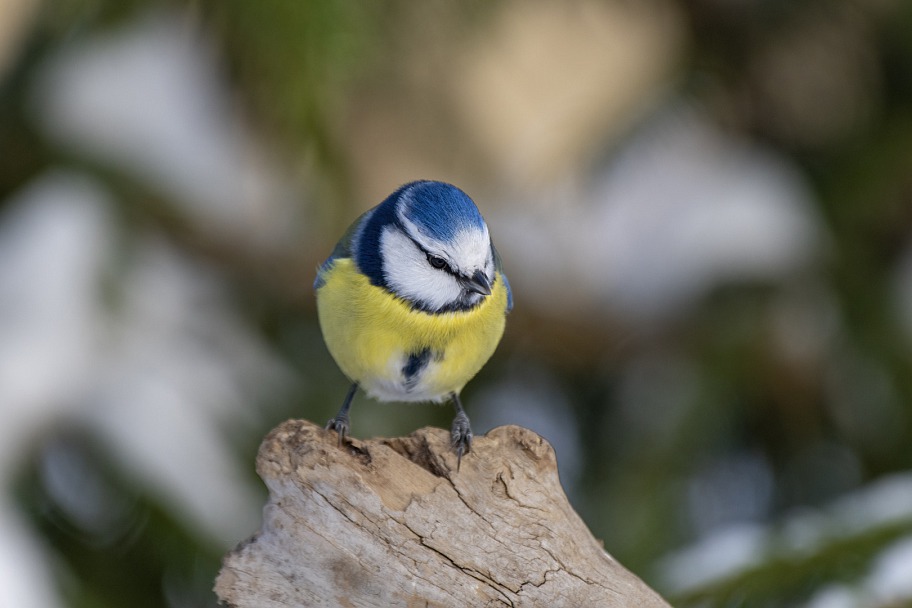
pixel 390 522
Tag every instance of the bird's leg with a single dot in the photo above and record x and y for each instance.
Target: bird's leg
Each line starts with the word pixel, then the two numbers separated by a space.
pixel 340 422
pixel 461 432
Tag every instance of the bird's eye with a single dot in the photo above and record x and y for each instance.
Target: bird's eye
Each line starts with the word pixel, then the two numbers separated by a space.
pixel 436 261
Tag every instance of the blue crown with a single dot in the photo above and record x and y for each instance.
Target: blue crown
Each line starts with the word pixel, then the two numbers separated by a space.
pixel 439 210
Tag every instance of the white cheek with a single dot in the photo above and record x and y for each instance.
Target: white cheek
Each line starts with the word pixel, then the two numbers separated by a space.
pixel 410 276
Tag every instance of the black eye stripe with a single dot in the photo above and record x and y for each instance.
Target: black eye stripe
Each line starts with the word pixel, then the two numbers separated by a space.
pixel 433 259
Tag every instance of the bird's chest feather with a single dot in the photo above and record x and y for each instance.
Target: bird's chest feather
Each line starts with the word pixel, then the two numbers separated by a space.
pixel 396 352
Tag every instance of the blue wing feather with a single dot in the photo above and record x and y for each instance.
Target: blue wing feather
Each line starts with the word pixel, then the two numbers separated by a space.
pixel 343 249
pixel 498 265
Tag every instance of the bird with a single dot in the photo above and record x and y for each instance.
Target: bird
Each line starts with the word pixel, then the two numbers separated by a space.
pixel 412 302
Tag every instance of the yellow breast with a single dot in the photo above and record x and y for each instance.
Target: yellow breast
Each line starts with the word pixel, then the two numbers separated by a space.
pixel 372 334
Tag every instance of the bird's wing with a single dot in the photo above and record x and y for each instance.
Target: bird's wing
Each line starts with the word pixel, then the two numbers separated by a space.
pixel 343 249
pixel 498 265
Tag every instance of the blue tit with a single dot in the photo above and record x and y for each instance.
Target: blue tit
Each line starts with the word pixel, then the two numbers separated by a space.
pixel 412 301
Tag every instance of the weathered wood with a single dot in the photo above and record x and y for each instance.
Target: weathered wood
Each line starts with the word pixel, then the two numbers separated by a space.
pixel 389 522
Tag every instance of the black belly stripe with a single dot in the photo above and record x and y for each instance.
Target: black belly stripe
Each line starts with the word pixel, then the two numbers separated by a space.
pixel 413 367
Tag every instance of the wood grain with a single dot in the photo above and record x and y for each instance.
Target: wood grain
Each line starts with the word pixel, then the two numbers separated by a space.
pixel 389 522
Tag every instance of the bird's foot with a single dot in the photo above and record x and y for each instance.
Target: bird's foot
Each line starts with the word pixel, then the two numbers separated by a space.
pixel 461 437
pixel 339 424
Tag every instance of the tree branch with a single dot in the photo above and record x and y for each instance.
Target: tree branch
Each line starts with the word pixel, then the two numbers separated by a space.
pixel 389 522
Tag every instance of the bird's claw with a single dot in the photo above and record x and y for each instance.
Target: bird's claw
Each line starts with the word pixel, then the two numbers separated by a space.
pixel 339 424
pixel 461 437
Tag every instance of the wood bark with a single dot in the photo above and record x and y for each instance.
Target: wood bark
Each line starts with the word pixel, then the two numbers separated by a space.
pixel 390 522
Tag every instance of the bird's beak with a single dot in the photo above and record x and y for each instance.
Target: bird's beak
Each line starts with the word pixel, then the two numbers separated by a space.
pixel 478 283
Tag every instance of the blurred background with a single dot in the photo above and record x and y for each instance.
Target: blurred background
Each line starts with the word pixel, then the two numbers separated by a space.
pixel 704 208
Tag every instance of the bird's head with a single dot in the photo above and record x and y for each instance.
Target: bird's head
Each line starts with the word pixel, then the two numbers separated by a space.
pixel 428 244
